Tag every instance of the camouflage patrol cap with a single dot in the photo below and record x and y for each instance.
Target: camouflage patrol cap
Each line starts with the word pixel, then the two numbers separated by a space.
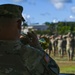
pixel 11 10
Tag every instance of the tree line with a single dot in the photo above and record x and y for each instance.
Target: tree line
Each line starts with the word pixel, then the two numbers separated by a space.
pixel 57 28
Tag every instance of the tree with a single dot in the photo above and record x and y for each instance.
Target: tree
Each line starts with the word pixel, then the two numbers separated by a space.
pixel 51 27
pixel 24 25
pixel 47 23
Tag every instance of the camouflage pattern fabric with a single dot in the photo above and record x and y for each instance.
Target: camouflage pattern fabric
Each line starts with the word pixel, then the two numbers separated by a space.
pixel 17 59
pixel 11 10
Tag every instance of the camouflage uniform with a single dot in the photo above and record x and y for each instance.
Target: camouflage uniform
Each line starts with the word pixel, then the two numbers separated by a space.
pixel 60 46
pixel 53 44
pixel 19 59
pixel 12 11
pixel 69 48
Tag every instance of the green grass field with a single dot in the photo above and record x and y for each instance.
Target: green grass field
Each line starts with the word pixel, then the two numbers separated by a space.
pixel 65 65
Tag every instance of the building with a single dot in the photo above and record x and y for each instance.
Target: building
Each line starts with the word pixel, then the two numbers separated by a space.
pixel 40 27
pixel 34 27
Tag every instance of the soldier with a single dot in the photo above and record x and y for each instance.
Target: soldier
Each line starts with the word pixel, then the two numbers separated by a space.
pixel 50 47
pixel 15 57
pixel 70 46
pixel 64 44
pixel 60 46
pixel 53 44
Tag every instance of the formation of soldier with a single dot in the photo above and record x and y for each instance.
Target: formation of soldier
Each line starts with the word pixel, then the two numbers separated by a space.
pixel 61 45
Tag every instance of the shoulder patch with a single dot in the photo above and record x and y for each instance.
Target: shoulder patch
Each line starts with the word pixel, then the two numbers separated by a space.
pixel 46 58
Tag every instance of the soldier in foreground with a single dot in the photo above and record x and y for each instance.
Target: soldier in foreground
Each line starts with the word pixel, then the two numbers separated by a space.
pixel 15 57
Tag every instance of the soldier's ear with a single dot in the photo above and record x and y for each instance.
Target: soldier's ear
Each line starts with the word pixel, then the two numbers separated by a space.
pixel 19 23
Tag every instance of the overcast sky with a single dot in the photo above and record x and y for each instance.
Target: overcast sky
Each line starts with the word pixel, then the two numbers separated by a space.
pixel 40 11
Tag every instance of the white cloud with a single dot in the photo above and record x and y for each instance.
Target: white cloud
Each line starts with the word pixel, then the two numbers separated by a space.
pixel 18 0
pixel 63 1
pixel 58 4
pixel 55 21
pixel 73 9
pixel 72 17
pixel 28 16
pixel 32 2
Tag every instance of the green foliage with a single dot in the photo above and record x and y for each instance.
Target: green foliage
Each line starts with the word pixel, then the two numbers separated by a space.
pixel 25 24
pixel 58 28
pixel 43 32
pixel 47 23
pixel 61 27
pixel 51 27
pixel 65 65
pixel 65 27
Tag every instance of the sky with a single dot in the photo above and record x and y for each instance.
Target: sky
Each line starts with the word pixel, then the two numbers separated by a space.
pixel 41 11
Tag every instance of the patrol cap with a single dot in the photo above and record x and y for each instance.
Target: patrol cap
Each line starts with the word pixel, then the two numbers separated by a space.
pixel 11 10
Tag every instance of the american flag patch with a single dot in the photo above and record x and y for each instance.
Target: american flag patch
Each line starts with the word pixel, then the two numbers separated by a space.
pixel 46 58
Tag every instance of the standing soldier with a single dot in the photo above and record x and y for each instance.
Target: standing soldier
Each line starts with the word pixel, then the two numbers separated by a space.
pixel 60 46
pixel 64 44
pixel 70 46
pixel 53 44
pixel 50 47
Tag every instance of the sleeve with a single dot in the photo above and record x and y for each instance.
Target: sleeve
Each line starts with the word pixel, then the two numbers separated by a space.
pixel 39 63
pixel 50 65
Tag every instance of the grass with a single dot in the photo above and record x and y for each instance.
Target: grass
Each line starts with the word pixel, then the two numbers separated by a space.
pixel 65 65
